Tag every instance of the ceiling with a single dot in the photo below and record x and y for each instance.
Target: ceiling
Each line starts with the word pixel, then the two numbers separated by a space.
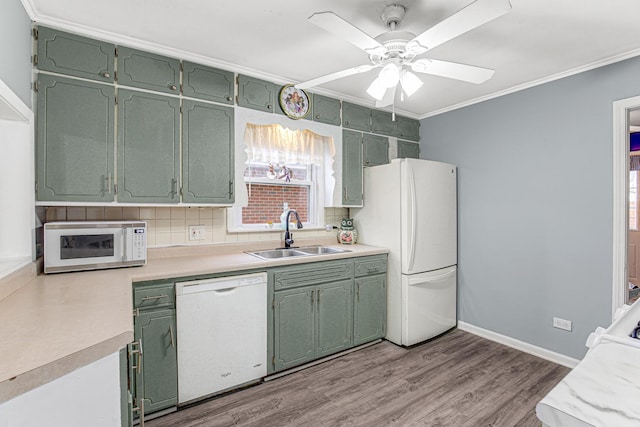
pixel 535 42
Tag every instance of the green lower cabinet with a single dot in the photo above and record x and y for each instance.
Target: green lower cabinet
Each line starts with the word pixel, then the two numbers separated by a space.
pixel 333 317
pixel 369 308
pixel 148 147
pixel 293 327
pixel 157 380
pixel 74 140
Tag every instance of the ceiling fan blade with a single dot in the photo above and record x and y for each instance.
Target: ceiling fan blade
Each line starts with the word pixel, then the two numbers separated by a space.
pixel 472 16
pixel 388 98
pixel 332 23
pixel 334 76
pixel 453 70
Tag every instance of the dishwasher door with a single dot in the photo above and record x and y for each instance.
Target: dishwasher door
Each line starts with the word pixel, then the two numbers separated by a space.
pixel 221 334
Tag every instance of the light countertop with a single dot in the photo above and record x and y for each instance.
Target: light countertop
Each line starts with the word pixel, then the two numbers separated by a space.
pixel 57 323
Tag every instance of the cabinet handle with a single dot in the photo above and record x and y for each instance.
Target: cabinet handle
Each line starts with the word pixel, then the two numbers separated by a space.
pixel 154 297
pixel 174 186
pixel 105 74
pixel 138 366
pixel 171 336
pixel 358 292
pixel 312 299
pixel 109 183
pixel 230 188
pixel 317 116
pixel 173 87
pixel 229 98
pixel 346 192
pixel 346 122
pixel 269 106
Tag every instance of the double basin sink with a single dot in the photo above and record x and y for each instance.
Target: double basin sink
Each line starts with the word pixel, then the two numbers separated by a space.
pixel 297 252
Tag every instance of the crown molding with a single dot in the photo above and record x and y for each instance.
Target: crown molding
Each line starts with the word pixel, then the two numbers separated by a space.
pixel 30 8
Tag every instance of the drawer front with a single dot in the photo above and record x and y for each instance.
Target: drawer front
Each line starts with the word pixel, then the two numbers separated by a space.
pixel 154 296
pixel 312 274
pixel 370 265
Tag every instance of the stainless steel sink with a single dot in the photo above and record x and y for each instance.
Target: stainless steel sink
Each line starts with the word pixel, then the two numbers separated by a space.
pixel 321 250
pixel 297 252
pixel 278 253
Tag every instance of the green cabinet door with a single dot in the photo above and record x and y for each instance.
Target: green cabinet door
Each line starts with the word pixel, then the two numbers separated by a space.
pixel 382 123
pixel 74 140
pixel 255 93
pixel 370 308
pixel 293 327
pixel 408 149
pixel 334 317
pixel 148 71
pixel 351 168
pixel 326 110
pixel 156 330
pixel 148 147
pixel 375 150
pixel 408 128
pixel 208 83
pixel 73 55
pixel 356 117
pixel 207 153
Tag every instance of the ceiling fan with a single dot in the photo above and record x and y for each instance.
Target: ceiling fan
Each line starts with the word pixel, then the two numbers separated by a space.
pixel 395 51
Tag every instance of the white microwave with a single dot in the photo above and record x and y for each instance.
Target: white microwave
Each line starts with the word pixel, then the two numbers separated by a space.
pixel 76 246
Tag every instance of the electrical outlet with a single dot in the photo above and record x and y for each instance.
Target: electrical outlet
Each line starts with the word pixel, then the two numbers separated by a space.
pixel 196 232
pixel 567 325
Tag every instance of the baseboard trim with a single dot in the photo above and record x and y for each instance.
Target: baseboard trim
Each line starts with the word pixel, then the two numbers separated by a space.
pixel 543 353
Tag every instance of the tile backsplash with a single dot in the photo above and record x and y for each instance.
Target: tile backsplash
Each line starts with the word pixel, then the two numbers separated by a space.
pixel 169 226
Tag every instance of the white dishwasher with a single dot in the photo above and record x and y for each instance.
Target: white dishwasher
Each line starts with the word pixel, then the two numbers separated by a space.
pixel 221 334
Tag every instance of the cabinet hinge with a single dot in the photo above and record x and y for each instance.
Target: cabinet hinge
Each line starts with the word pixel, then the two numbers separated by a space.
pixel 115 51
pixel 273 361
pixel 181 88
pixel 181 112
pixel 35 86
pixel 181 193
pixel 238 79
pixel 116 99
pixel 136 312
pixel 34 59
pixel 115 188
pixel 273 303
pixel 182 67
pixel 36 187
pixel 237 102
pixel 35 33
pixel 115 75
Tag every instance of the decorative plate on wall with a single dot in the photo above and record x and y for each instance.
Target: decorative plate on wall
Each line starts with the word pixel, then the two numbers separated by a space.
pixel 294 102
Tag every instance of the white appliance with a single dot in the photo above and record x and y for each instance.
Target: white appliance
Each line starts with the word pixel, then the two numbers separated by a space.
pixel 410 208
pixel 91 245
pixel 222 334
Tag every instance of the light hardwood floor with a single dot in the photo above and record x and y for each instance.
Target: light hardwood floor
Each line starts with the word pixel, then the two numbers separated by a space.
pixel 458 379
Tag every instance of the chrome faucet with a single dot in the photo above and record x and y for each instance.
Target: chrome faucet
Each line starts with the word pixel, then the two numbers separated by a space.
pixel 288 236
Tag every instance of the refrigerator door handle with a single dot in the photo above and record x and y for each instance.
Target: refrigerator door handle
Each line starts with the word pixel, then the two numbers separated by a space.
pixel 432 279
pixel 412 225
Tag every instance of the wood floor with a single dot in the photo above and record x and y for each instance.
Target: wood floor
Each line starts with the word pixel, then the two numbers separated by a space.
pixel 456 380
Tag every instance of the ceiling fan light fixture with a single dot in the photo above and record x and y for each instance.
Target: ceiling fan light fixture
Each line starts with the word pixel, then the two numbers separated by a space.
pixel 389 75
pixel 420 66
pixel 410 82
pixel 377 89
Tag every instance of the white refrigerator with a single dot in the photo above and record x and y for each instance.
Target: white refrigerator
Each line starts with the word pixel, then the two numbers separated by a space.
pixel 410 207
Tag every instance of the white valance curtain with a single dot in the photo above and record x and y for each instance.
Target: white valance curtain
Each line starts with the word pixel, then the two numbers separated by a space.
pixel 277 144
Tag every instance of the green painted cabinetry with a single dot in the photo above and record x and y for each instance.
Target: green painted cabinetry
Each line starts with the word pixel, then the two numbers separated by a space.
pixel 148 147
pixel 356 117
pixel 375 150
pixel 408 149
pixel 207 83
pixel 207 153
pixel 351 168
pixel 334 317
pixel 255 93
pixel 294 339
pixel 326 110
pixel 382 122
pixel 146 70
pixel 408 128
pixel 72 55
pixel 74 140
pixel 369 308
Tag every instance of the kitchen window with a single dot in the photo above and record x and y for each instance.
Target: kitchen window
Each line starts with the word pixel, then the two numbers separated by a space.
pixel 284 167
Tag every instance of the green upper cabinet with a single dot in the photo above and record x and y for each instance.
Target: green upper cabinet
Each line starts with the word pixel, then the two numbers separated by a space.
pixel 382 123
pixel 74 140
pixel 408 128
pixel 73 55
pixel 255 93
pixel 148 147
pixel 408 149
pixel 207 153
pixel 148 71
pixel 375 150
pixel 351 168
pixel 333 317
pixel 326 110
pixel 369 308
pixel 356 117
pixel 207 83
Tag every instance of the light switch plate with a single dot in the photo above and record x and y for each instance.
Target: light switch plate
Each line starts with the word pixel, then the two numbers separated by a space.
pixel 567 325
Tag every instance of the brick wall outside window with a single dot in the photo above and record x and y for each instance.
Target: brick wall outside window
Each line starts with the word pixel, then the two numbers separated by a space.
pixel 265 203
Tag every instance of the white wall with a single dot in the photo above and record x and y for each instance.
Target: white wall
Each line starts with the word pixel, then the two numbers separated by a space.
pixel 15 45
pixel 89 396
